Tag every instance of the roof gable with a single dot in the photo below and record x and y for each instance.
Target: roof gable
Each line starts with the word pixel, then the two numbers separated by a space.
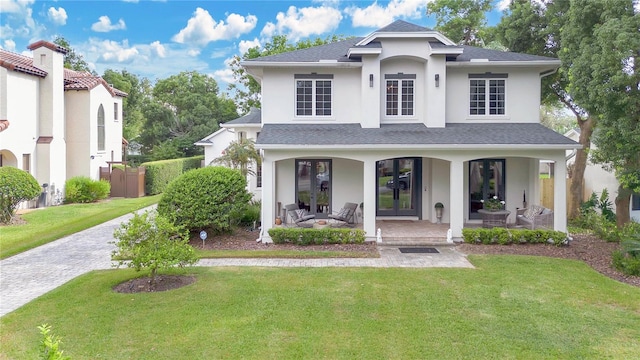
pixel 82 80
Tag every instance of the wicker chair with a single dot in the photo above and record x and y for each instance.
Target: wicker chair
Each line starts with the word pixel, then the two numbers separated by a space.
pixel 535 217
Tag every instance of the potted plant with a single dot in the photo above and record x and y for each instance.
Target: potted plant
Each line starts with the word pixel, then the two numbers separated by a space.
pixel 439 208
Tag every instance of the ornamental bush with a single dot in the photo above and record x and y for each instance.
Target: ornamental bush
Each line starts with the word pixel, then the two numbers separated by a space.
pixel 205 198
pixel 81 189
pixel 305 236
pixel 15 186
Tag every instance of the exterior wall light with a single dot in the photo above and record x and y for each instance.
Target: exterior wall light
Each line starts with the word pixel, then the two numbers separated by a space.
pixel 437 80
pixel 370 80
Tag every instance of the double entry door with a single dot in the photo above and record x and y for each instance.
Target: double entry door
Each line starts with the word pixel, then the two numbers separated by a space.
pixel 313 186
pixel 398 184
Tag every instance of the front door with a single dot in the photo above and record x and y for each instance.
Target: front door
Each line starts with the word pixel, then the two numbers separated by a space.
pixel 398 181
pixel 313 186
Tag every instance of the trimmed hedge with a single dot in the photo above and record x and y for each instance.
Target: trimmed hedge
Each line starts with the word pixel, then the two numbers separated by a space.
pixel 502 236
pixel 81 189
pixel 160 173
pixel 305 236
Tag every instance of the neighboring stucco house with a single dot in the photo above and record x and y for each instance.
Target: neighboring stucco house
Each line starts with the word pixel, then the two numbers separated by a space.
pixel 402 119
pixel 597 179
pixel 245 127
pixel 61 123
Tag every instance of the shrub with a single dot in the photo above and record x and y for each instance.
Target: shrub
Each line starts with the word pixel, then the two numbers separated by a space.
pixel 160 173
pixel 502 236
pixel 305 236
pixel 81 189
pixel 250 214
pixel 149 241
pixel 15 186
pixel 50 345
pixel 206 198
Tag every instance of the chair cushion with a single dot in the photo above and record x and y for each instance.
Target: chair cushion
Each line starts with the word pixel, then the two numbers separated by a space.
pixel 533 211
pixel 301 213
pixel 343 213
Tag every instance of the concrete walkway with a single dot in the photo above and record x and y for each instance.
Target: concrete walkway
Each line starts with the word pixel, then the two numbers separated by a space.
pixel 30 274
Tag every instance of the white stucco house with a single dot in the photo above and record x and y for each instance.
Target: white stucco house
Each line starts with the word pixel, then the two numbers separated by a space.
pixel 597 179
pixel 58 123
pixel 244 127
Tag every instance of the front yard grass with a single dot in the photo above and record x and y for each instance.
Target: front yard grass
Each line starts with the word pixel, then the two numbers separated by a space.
pixel 509 307
pixel 52 223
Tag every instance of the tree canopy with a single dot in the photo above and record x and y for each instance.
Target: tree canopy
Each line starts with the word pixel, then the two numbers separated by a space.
pixel 463 21
pixel 72 60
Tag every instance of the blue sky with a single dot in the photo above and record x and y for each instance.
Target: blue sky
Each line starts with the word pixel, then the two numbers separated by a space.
pixel 157 39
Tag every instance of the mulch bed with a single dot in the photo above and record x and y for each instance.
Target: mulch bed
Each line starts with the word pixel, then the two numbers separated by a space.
pixel 162 283
pixel 588 248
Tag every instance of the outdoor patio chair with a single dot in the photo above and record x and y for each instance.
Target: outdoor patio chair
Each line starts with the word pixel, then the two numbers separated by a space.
pixel 299 216
pixel 347 214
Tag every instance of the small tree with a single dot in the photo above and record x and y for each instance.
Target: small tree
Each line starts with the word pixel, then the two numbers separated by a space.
pixel 50 344
pixel 15 186
pixel 239 155
pixel 149 241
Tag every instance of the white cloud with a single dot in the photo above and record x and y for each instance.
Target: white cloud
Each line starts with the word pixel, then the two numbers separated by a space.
pixel 202 29
pixel 114 52
pixel 193 52
pixel 104 25
pixel 9 45
pixel 503 4
pixel 303 22
pixel 245 45
pixel 375 15
pixel 58 16
pixel 225 75
pixel 15 6
pixel 158 49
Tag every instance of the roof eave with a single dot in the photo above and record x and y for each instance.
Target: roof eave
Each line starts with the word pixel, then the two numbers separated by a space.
pixel 282 64
pixel 230 126
pixel 424 146
pixel 363 51
pixel 524 63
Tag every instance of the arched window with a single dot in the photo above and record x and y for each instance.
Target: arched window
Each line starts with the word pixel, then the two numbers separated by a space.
pixel 101 129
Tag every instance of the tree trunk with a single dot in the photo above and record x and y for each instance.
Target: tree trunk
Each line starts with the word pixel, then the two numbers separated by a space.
pixel 580 164
pixel 622 206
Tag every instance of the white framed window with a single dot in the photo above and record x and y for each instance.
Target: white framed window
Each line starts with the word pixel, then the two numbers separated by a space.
pixel 487 94
pixel 313 94
pixel 115 111
pixel 400 94
pixel 101 129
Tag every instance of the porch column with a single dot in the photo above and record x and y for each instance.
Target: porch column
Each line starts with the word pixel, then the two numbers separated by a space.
pixel 560 194
pixel 268 213
pixel 369 196
pixel 456 198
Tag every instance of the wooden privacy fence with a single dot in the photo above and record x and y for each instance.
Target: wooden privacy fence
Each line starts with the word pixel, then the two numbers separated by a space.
pixel 546 193
pixel 128 185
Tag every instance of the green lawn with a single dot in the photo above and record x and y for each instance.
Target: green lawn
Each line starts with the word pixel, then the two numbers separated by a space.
pixel 509 307
pixel 52 223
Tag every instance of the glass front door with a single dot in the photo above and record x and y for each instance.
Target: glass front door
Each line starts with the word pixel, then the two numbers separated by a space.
pixel 313 186
pixel 397 181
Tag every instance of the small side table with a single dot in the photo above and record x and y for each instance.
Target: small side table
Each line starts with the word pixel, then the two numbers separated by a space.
pixel 492 219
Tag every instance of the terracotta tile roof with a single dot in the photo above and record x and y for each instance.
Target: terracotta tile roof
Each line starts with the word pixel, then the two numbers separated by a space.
pixel 48 45
pixel 20 63
pixel 4 124
pixel 83 80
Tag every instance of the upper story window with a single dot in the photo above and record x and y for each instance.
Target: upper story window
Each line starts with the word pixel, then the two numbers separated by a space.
pixel 400 94
pixel 101 129
pixel 115 111
pixel 487 94
pixel 635 202
pixel 313 94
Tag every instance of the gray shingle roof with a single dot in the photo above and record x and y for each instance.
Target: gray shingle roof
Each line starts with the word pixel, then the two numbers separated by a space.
pixel 411 134
pixel 472 52
pixel 403 26
pixel 253 117
pixel 338 50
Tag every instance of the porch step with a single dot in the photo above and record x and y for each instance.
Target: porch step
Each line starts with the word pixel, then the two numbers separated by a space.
pixel 414 241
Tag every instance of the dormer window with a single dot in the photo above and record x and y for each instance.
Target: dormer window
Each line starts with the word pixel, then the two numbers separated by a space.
pixel 400 94
pixel 313 94
pixel 487 94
